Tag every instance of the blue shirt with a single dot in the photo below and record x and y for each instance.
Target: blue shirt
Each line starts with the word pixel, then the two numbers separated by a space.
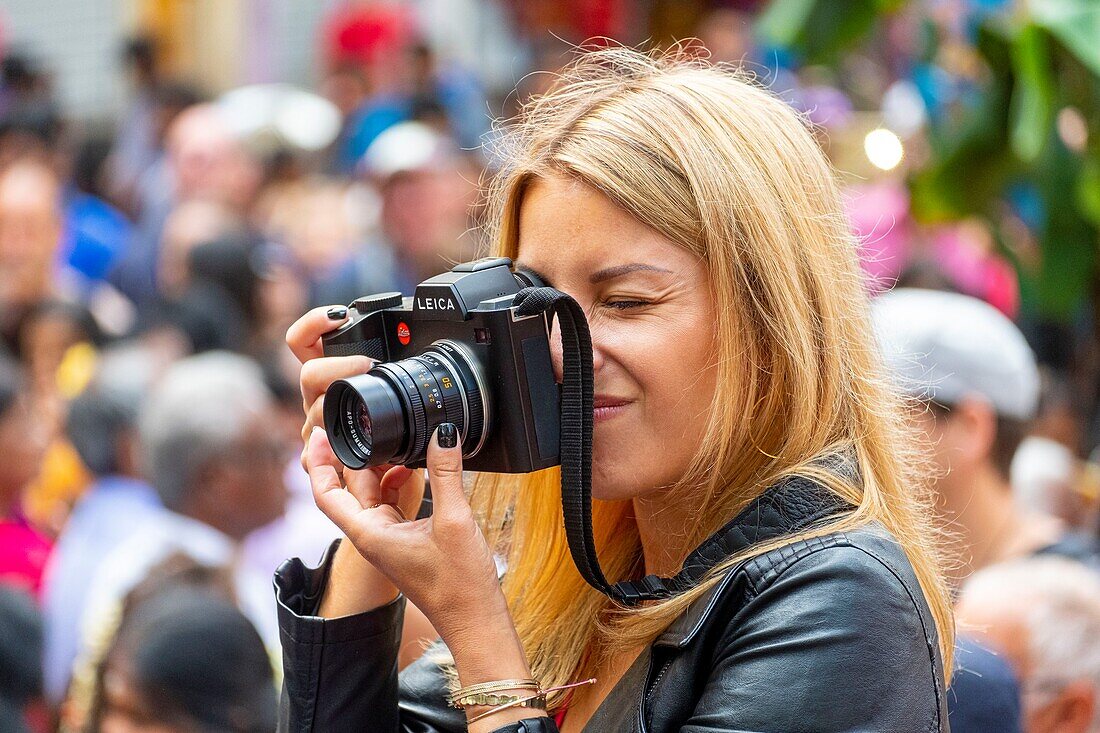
pixel 111 511
pixel 983 696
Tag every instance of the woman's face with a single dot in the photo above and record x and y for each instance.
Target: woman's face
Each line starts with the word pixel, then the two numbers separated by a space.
pixel 652 316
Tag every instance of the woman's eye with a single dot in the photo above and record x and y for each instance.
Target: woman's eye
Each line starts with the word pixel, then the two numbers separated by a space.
pixel 625 304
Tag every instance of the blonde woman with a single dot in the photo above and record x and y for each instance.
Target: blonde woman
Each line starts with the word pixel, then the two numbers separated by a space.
pixel 742 430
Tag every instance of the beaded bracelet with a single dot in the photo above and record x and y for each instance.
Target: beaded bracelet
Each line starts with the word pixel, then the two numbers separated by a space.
pixel 484 698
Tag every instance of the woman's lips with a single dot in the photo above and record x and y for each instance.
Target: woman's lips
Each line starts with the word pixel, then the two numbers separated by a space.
pixel 605 408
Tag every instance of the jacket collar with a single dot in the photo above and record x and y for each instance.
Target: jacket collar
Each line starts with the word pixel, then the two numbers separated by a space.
pixel 790 507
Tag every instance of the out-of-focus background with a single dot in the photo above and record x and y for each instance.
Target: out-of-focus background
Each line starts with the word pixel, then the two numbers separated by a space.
pixel 181 179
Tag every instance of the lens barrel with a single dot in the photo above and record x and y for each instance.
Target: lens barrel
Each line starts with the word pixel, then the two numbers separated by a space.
pixel 389 414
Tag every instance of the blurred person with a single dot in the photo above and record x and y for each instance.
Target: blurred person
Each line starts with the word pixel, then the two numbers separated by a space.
pixel 320 241
pixel 48 333
pixel 23 549
pixel 204 160
pixel 22 709
pixel 984 695
pixel 365 46
pixel 135 146
pixel 96 234
pixel 1048 477
pixel 186 661
pixel 210 451
pixel 57 342
pixel 177 573
pixel 193 223
pixel 727 33
pixel 30 235
pixel 303 526
pixel 1047 474
pixel 101 425
pixel 41 249
pixel 976 384
pixel 29 116
pixel 282 293
pixel 208 161
pixel 218 307
pixel 452 90
pixel 1043 616
pixel 424 216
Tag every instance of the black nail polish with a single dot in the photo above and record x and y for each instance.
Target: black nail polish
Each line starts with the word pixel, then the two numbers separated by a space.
pixel 447 435
pixel 337 312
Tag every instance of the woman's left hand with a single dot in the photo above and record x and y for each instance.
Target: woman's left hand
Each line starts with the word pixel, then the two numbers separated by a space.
pixel 442 563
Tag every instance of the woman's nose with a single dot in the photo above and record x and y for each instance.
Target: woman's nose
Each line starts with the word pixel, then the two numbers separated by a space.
pixel 556 351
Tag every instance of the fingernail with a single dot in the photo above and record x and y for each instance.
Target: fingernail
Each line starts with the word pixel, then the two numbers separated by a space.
pixel 337 313
pixel 447 435
pixel 314 431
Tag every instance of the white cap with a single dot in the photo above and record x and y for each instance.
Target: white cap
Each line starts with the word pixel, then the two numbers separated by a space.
pixel 945 346
pixel 404 147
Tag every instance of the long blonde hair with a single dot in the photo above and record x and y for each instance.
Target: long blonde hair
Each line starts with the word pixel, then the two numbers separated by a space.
pixel 721 167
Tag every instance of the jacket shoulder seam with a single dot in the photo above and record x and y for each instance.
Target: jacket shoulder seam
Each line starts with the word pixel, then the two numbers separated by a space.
pixel 759 578
pixel 929 641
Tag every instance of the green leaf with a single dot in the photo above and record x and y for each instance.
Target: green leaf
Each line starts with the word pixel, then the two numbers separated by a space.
pixel 1088 191
pixel 783 20
pixel 1076 23
pixel 1033 94
pixel 1068 240
pixel 819 30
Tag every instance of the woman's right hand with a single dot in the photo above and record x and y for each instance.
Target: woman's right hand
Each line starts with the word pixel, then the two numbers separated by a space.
pixel 354 585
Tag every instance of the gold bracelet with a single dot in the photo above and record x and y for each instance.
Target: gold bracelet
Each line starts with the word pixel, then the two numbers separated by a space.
pixel 521 702
pixel 497 686
pixel 483 698
pixel 491 699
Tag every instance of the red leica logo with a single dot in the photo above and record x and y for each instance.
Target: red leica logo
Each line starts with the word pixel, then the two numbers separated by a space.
pixel 403 333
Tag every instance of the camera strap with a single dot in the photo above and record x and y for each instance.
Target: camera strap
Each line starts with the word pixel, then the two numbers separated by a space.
pixel 576 447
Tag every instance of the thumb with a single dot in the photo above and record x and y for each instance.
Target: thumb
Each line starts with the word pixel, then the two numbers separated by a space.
pixel 445 473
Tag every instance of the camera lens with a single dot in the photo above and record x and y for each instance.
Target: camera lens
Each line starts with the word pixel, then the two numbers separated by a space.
pixel 389 414
pixel 364 420
pixel 362 417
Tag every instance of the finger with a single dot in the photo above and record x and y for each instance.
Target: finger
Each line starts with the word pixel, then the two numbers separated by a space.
pixel 392 481
pixel 318 374
pixel 315 418
pixel 366 525
pixel 445 474
pixel 404 487
pixel 365 485
pixel 328 490
pixel 304 335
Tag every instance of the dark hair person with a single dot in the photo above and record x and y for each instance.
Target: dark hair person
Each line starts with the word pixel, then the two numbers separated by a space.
pixel 185 661
pixel 743 430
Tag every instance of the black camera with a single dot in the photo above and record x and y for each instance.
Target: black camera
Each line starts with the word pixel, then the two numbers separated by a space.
pixel 456 351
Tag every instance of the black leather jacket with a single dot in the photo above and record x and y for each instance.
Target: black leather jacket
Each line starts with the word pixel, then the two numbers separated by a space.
pixel 823 635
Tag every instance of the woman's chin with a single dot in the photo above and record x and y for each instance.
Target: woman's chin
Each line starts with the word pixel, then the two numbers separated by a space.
pixel 606 488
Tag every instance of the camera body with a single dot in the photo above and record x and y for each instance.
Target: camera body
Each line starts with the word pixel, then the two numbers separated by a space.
pixel 455 351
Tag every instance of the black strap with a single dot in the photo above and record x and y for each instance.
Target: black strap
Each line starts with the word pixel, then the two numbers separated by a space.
pixel 576 425
pixel 576 444
pixel 786 508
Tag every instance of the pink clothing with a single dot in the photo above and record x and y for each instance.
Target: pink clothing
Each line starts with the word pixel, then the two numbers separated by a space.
pixel 23 555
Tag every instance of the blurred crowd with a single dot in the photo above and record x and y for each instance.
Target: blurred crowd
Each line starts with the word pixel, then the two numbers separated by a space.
pixel 149 410
pixel 150 415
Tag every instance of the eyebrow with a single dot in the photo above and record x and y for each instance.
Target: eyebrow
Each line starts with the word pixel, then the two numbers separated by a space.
pixel 609 273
